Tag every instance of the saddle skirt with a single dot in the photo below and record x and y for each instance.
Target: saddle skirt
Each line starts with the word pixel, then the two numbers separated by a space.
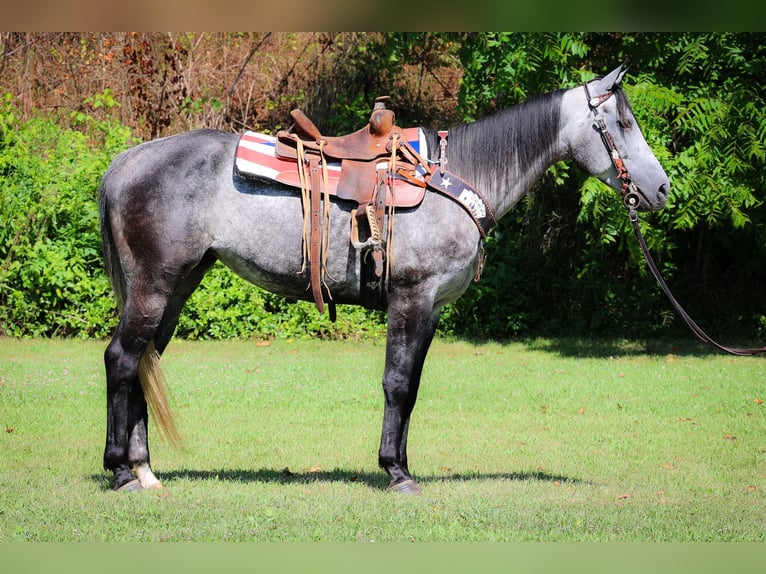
pixel 256 156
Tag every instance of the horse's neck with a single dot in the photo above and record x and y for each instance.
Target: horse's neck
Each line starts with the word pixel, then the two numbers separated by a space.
pixel 504 154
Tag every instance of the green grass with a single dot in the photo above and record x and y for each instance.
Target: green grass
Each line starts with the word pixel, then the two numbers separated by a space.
pixel 546 440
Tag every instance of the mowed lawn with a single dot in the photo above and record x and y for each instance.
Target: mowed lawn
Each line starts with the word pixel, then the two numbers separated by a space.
pixel 543 440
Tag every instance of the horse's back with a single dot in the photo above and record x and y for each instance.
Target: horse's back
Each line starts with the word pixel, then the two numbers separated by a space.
pixel 189 154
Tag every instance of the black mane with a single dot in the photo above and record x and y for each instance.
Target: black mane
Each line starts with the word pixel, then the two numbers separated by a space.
pixel 500 147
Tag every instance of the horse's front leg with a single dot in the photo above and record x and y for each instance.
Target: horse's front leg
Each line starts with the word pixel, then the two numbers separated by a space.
pixel 411 328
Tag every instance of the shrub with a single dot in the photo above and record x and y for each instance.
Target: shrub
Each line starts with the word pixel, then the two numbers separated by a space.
pixel 51 272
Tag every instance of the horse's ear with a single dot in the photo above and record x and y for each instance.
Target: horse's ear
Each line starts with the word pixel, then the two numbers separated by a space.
pixel 623 70
pixel 612 79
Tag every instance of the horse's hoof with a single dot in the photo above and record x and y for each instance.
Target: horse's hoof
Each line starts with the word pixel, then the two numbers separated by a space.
pixel 405 487
pixel 132 486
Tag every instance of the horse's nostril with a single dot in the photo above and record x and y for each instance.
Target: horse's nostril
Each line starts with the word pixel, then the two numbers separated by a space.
pixel 663 189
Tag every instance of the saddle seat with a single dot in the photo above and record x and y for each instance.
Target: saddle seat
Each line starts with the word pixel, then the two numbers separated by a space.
pixel 359 152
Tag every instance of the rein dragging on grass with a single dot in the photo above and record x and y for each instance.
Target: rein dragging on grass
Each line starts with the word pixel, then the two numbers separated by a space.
pixel 701 335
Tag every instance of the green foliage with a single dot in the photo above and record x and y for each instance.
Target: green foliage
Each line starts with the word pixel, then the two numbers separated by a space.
pixel 51 272
pixel 505 68
pixel 227 307
pixel 564 261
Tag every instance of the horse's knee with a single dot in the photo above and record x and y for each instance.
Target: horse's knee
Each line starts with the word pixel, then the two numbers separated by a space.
pixel 115 355
pixel 396 387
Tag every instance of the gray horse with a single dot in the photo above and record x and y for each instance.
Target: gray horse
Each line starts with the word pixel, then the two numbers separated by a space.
pixel 172 207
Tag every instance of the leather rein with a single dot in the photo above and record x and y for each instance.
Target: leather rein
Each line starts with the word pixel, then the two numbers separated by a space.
pixel 631 200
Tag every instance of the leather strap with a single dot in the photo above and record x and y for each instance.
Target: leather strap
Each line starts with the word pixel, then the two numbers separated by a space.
pixel 467 196
pixel 378 209
pixel 315 233
pixel 701 335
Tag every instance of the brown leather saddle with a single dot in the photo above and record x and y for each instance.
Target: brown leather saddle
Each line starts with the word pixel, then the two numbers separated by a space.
pixel 370 158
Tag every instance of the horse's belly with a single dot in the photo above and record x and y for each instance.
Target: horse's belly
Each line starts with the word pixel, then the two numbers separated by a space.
pixel 266 247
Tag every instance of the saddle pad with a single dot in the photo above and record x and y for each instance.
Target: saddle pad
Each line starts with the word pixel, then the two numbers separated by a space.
pixel 256 157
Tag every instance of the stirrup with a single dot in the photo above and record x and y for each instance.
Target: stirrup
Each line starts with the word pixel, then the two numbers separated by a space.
pixel 375 240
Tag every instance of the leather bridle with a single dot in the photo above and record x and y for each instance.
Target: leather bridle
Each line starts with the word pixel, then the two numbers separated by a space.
pixel 630 194
pixel 631 198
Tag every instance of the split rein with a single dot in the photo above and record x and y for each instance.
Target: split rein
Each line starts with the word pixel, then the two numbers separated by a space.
pixel 631 199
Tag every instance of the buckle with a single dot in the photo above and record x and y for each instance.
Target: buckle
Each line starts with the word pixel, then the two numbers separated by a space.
pixel 632 200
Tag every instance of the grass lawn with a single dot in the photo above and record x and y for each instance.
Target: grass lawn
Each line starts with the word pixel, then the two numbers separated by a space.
pixel 543 440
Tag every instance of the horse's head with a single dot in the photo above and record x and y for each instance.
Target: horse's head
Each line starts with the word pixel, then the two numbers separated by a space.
pixel 605 140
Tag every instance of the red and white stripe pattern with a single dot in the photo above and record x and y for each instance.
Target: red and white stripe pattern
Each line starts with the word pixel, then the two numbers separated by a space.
pixel 256 157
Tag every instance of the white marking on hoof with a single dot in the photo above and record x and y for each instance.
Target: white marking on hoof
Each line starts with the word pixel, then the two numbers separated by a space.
pixel 146 476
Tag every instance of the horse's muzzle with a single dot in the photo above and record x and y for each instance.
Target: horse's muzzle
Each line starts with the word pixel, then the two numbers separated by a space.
pixel 636 200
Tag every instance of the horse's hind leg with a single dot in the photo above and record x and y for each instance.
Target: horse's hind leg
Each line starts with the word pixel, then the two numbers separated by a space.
pixel 127 413
pixel 147 324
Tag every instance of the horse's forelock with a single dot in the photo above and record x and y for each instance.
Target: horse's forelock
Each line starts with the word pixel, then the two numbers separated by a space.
pixel 624 113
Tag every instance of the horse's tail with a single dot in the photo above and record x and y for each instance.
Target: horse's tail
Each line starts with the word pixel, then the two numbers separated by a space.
pixel 111 257
pixel 150 374
pixel 154 384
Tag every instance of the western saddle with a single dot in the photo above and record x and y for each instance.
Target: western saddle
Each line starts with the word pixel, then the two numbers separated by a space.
pixel 370 159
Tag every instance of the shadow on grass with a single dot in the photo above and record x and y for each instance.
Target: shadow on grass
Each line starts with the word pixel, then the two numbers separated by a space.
pixel 376 480
pixel 605 348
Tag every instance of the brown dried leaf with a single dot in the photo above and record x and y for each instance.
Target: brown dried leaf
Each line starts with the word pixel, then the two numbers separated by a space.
pixel 9 430
pixel 729 436
pixel 625 496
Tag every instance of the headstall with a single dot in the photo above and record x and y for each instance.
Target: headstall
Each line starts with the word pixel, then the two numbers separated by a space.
pixel 630 194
